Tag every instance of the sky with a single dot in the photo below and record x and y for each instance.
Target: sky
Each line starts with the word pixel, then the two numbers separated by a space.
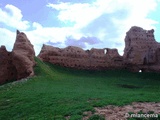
pixel 83 23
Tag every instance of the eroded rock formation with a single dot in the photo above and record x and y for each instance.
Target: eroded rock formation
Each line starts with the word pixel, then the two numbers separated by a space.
pixel 18 63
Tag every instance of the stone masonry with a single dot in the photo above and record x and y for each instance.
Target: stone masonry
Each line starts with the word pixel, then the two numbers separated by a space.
pixel 141 52
pixel 78 58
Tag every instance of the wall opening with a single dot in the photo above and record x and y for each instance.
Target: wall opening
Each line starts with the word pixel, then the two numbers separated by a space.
pixel 140 71
pixel 105 51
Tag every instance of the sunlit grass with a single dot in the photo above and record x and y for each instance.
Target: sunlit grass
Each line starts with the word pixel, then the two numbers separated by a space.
pixel 57 92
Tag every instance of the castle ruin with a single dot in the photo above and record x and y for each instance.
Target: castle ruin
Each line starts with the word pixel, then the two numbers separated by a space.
pixel 18 63
pixel 141 52
pixel 75 57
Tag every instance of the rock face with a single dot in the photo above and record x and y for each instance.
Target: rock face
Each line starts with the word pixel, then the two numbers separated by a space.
pixel 18 63
pixel 141 52
pixel 75 57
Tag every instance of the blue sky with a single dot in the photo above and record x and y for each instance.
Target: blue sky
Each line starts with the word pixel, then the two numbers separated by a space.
pixel 83 23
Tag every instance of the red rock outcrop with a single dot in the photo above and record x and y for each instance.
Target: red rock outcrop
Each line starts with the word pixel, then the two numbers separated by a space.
pixel 20 62
pixel 75 57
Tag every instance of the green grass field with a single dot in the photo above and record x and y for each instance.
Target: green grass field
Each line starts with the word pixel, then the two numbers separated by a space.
pixel 56 92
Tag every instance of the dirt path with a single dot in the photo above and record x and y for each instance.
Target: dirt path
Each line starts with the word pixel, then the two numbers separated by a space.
pixel 121 113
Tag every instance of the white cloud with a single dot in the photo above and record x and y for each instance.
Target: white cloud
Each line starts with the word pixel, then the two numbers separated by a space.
pixel 12 17
pixel 83 14
pixel 61 6
pixel 107 21
pixel 55 34
pixel 138 12
pixel 37 25
pixel 7 38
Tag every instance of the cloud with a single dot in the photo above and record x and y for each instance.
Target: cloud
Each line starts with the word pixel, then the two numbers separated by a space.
pixel 82 42
pixel 7 38
pixel 106 20
pixel 79 13
pixel 52 34
pixel 53 43
pixel 84 13
pixel 37 25
pixel 11 16
pixel 97 24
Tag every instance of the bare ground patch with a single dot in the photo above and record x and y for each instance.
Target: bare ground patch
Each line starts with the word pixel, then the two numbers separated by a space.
pixel 111 112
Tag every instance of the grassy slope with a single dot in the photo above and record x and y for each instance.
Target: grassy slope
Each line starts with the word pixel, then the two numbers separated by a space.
pixel 57 92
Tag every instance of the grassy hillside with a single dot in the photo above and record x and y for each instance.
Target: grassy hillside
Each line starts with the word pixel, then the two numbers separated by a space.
pixel 56 92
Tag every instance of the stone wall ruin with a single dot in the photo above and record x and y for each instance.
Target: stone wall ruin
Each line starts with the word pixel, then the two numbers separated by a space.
pixel 19 63
pixel 75 57
pixel 141 52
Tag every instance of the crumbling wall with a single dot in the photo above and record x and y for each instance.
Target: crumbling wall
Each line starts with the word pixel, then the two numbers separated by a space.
pixel 141 52
pixel 75 57
pixel 23 56
pixel 20 62
pixel 141 49
pixel 8 71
